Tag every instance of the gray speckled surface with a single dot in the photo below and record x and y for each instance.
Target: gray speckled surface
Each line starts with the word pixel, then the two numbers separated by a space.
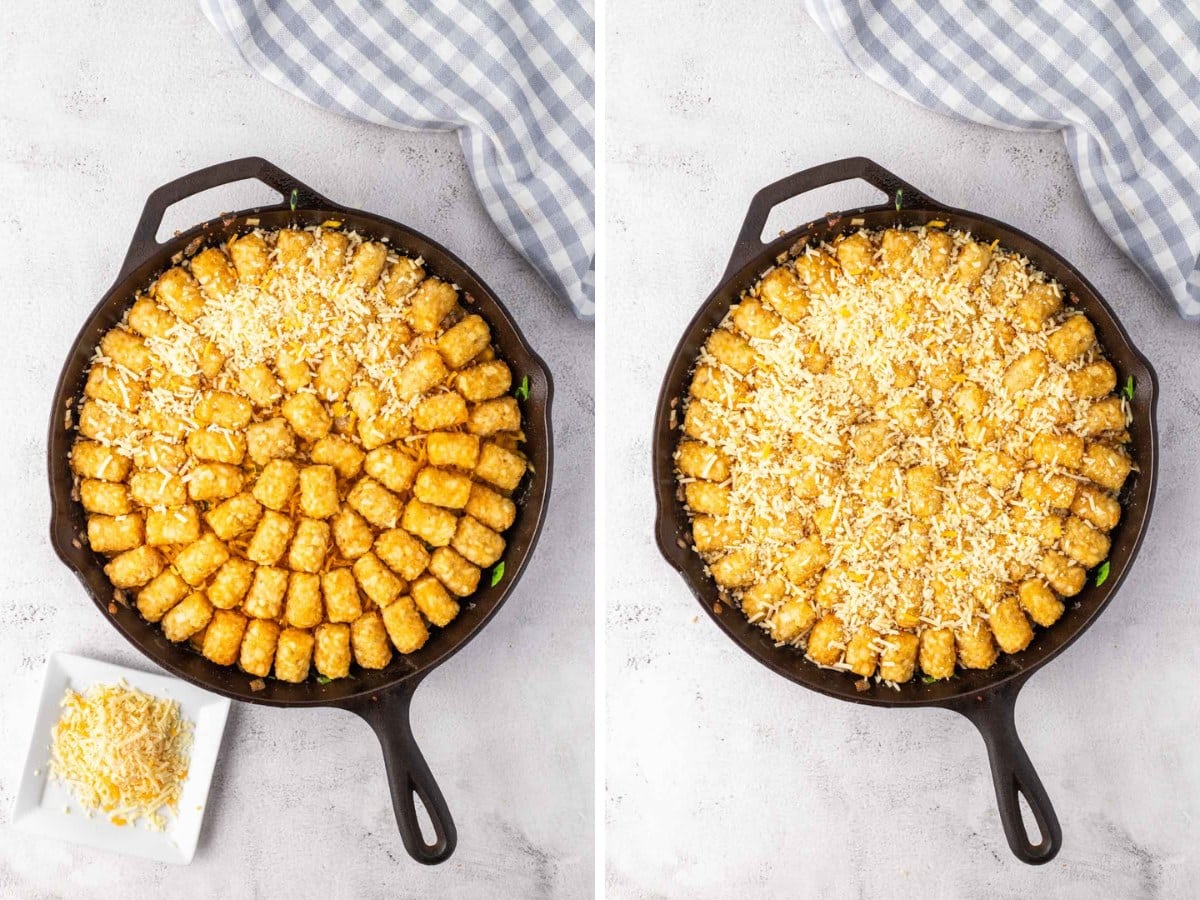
pixel 725 780
pixel 102 102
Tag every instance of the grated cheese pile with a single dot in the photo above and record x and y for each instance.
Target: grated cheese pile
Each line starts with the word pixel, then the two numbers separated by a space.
pixel 888 350
pixel 122 752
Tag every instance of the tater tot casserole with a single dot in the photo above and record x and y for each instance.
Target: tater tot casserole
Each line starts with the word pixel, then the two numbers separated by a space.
pixel 903 450
pixel 298 451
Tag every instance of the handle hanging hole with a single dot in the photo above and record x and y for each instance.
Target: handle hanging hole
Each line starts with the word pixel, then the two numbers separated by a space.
pixel 424 821
pixel 815 204
pixel 209 204
pixel 1033 831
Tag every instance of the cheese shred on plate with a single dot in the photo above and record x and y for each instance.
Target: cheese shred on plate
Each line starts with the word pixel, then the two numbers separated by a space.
pixel 122 752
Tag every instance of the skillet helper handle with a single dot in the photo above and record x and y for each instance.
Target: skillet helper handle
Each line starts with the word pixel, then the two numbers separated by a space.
pixel 750 243
pixel 145 241
pixel 1014 776
pixel 409 776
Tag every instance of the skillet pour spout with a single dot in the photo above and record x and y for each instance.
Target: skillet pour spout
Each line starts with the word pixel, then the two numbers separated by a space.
pixel 986 697
pixel 383 698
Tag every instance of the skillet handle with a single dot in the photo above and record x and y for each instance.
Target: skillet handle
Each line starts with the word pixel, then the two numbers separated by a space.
pixel 1013 774
pixel 749 242
pixel 145 242
pixel 409 776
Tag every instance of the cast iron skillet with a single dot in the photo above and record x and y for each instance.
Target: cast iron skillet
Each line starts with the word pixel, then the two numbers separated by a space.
pixel 382 697
pixel 985 697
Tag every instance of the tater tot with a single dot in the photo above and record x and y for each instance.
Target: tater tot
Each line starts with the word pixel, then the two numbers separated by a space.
pixel 334 375
pixel 292 370
pixel 735 569
pixel 1040 302
pixel 150 320
pixel 806 560
pixel 104 421
pixel 374 502
pixel 161 594
pixel 230 583
pixel 214 481
pixel 1094 380
pixel 1104 415
pixel 223 409
pixel 1071 339
pixel 1096 507
pixel 404 625
pixel 223 637
pixel 377 580
pixel 440 411
pixel 134 568
pixel 432 524
pixel 937 653
pixel 293 653
pixel 464 341
pixel 1062 574
pixel 172 525
pixel 441 487
pixel 476 542
pixel 492 509
pixel 236 515
pixel 500 467
pixel 342 603
pixel 898 662
pixel 697 460
pixel 754 319
pixel 434 601
pixel 331 654
pixel 1039 602
pixel 493 416
pixel 318 491
pixel 115 534
pixel 270 538
pixel 855 253
pixel 973 260
pixel 453 449
pixel 339 452
pixel 214 272
pixel 381 430
pixel 460 576
pixel 782 291
pixel 369 640
pixel 976 648
pixel 258 647
pixel 331 249
pixel 393 468
pixel 267 591
pixel 105 497
pixel 276 484
pixel 402 278
pixel 191 615
pixel 93 460
pixel 424 371
pixel 1107 466
pixel 1026 371
pixel 307 416
pixel 351 533
pixel 1009 626
pixel 292 248
pixel 922 485
pixel 272 439
pixel 113 386
pixel 127 350
pixel 1057 450
pixel 939 247
pixel 302 605
pixel 403 553
pixel 430 304
pixel 366 265
pixel 707 498
pixel 1084 544
pixel 309 546
pixel 731 350
pixel 1057 491
pixel 157 489
pixel 792 619
pixel 200 559
pixel 260 385
pixel 861 655
pixel 217 445
pixel 825 640
pixel 758 600
pixel 484 381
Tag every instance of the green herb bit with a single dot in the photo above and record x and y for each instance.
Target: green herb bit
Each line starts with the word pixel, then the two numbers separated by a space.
pixel 323 679
pixel 899 198
pixel 294 200
pixel 497 573
pixel 928 679
pixel 1127 388
pixel 1102 573
pixel 522 392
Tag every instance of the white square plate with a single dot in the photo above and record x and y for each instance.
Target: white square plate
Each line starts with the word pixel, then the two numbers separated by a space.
pixel 41 803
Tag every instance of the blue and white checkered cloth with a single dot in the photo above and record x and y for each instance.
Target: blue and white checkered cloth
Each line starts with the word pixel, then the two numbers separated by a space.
pixel 514 77
pixel 1120 78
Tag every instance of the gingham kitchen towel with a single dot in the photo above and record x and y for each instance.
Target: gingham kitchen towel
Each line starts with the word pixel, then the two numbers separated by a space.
pixel 1120 78
pixel 514 77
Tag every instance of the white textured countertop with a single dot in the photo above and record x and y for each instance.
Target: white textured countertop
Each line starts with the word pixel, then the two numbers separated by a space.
pixel 725 780
pixel 102 102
